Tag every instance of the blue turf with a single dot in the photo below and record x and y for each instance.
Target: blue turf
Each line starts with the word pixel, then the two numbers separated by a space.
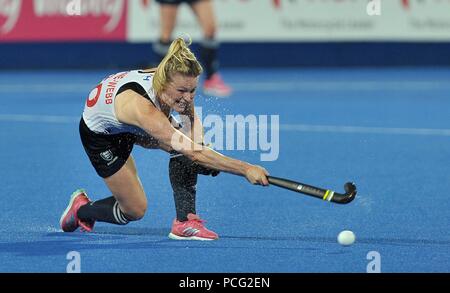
pixel 401 211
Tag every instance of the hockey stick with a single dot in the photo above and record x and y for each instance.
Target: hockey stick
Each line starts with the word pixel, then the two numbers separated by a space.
pixel 325 194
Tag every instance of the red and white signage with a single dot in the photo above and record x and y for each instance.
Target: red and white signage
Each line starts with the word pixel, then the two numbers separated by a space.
pixel 62 20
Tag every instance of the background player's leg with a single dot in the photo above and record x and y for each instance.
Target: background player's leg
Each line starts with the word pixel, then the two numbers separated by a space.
pixel 128 202
pixel 209 46
pixel 168 19
pixel 204 12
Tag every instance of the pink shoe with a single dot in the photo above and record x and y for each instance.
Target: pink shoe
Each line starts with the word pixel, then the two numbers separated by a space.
pixel 69 221
pixel 215 86
pixel 192 229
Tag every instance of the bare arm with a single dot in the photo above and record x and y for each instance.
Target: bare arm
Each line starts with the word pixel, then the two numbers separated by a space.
pixel 131 108
pixel 190 119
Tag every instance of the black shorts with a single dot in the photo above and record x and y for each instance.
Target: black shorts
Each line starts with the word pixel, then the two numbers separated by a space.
pixel 176 2
pixel 107 153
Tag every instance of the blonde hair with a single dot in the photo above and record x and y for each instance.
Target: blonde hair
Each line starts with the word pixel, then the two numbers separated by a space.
pixel 179 59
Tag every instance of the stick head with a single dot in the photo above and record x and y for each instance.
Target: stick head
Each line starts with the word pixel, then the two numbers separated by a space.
pixel 350 188
pixel 350 192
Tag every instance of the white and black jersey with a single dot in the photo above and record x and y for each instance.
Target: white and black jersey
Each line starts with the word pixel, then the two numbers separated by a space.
pixel 99 113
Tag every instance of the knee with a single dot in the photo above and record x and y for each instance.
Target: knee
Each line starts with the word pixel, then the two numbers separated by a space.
pixel 210 32
pixel 136 212
pixel 136 215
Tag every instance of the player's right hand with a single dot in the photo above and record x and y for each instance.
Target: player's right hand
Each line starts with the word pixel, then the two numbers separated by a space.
pixel 257 175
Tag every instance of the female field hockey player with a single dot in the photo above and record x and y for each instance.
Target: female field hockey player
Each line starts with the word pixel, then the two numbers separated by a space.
pixel 134 108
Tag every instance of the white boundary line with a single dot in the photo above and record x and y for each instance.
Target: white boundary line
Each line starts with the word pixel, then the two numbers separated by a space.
pixel 46 88
pixel 271 86
pixel 38 118
pixel 342 86
pixel 283 127
pixel 364 130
